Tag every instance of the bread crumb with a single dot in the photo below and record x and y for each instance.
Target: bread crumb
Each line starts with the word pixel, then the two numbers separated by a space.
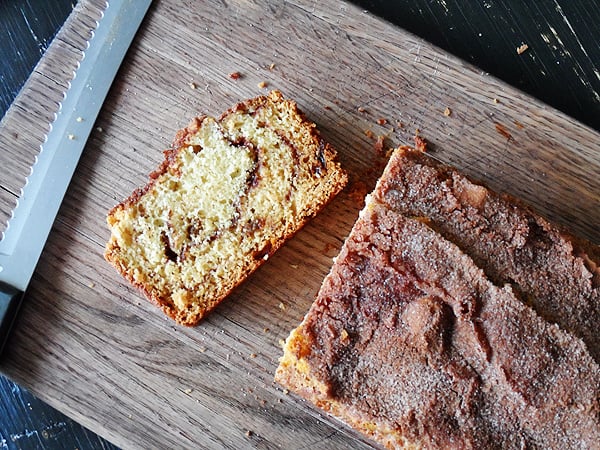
pixel 380 144
pixel 188 391
pixel 193 85
pixel 249 433
pixel 272 66
pixel 71 137
pixel 92 285
pixel 294 266
pixel 202 349
pixel 266 330
pixel 281 343
pixel 400 124
pixel 79 119
pixel 99 129
pixel 382 121
pixel 369 134
pixel 522 49
pixel 344 335
pixel 503 131
pixel 357 192
pixel 496 101
pixel 328 248
pixel 361 109
pixel 281 306
pixel 286 392
pixel 235 75
pixel 447 112
pixel 262 85
pixel 420 144
pixel 253 355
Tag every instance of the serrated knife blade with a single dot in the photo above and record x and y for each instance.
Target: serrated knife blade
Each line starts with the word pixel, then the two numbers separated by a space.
pixel 27 231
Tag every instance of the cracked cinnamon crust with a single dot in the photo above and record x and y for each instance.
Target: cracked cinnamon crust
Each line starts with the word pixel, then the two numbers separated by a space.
pixel 554 272
pixel 229 193
pixel 412 344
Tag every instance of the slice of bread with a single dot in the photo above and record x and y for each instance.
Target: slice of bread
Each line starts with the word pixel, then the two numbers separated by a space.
pixel 228 194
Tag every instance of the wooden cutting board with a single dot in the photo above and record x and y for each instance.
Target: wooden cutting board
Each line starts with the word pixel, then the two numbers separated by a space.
pixel 94 348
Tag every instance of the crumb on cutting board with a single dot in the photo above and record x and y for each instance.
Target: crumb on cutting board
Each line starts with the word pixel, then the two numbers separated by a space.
pixel 522 49
pixel 379 145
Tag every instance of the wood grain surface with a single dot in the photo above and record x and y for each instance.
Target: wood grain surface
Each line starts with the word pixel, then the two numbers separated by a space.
pixel 91 346
pixel 560 62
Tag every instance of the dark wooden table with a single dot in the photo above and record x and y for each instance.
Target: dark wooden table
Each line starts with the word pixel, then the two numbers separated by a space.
pixel 561 66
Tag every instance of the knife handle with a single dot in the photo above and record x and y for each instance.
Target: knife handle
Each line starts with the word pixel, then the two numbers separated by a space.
pixel 10 301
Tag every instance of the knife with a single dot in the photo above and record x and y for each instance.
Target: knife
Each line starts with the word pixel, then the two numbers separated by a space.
pixel 27 230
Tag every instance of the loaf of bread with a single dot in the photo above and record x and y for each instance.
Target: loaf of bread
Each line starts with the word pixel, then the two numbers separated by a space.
pixel 412 343
pixel 228 194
